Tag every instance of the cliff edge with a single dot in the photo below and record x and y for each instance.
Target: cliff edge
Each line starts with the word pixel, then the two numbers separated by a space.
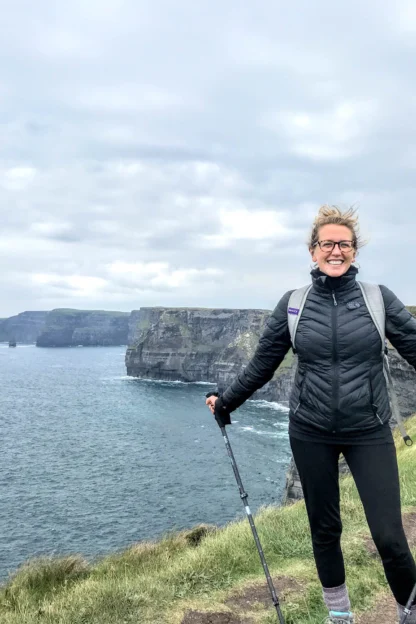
pixel 201 344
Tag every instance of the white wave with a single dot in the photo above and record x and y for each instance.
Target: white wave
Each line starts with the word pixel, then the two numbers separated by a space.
pixel 202 383
pixel 163 382
pixel 119 378
pixel 274 434
pixel 174 381
pixel 281 460
pixel 274 405
pixel 5 345
pixel 268 434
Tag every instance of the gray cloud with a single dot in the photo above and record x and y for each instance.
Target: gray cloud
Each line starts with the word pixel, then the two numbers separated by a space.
pixel 175 153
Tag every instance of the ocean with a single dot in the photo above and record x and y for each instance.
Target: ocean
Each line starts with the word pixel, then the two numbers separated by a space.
pixel 92 461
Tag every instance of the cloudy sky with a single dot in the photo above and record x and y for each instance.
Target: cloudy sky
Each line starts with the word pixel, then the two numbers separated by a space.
pixel 174 153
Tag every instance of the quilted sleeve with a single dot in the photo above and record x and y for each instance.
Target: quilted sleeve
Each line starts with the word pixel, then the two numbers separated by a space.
pixel 400 326
pixel 271 349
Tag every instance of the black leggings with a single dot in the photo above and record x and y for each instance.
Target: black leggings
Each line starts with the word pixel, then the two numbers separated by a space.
pixel 375 472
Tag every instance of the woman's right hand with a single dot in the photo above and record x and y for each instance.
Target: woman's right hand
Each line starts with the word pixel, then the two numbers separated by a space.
pixel 210 401
pixel 221 414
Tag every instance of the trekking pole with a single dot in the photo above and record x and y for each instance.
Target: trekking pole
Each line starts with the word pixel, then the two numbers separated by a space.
pixel 244 497
pixel 407 609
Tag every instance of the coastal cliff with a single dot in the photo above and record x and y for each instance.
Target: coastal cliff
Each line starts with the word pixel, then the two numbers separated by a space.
pixel 200 344
pixel 72 328
pixel 22 328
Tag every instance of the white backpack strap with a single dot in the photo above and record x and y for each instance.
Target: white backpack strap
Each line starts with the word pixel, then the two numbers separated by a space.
pixel 295 308
pixel 375 304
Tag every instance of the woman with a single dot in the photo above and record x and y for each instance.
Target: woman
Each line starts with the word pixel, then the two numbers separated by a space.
pixel 339 404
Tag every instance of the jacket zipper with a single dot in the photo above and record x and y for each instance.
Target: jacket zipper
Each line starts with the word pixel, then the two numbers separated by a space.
pixel 335 364
pixel 381 422
pixel 300 395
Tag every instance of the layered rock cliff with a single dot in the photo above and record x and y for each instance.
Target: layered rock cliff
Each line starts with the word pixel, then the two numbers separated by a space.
pixel 199 344
pixel 23 328
pixel 71 328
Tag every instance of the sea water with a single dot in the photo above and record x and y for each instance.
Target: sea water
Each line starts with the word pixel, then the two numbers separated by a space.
pixel 92 461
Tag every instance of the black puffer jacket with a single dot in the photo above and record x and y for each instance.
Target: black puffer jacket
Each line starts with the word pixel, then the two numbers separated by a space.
pixel 339 385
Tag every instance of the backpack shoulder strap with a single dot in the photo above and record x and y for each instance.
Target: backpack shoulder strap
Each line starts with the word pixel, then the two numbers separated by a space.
pixel 295 308
pixel 375 305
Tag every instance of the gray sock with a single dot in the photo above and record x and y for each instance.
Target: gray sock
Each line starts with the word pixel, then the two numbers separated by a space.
pixel 411 618
pixel 336 598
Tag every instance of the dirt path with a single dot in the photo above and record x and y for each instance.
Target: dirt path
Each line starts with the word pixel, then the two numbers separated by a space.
pixel 254 596
pixel 242 603
pixel 385 611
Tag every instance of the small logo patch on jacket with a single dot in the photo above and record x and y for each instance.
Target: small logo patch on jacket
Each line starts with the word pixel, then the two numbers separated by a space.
pixel 353 305
pixel 293 311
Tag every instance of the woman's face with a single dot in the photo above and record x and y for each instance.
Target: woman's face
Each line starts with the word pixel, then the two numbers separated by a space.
pixel 334 262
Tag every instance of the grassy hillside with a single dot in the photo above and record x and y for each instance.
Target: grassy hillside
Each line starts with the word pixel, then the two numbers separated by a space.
pixel 175 581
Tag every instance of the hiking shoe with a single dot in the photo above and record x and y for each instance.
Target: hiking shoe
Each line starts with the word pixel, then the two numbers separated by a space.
pixel 338 617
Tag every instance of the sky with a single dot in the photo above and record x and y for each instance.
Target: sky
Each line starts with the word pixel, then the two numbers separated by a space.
pixel 175 153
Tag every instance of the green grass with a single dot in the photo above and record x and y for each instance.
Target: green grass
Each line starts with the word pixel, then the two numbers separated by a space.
pixel 157 582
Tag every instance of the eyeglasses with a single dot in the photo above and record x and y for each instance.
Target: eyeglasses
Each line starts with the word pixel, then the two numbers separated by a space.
pixel 327 245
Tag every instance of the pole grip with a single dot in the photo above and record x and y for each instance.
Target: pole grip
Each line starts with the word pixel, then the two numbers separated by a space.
pixel 221 415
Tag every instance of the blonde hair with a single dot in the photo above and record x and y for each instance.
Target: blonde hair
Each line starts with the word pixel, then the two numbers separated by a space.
pixel 332 215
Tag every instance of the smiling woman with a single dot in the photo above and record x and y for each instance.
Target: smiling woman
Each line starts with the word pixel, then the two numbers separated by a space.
pixel 334 241
pixel 339 404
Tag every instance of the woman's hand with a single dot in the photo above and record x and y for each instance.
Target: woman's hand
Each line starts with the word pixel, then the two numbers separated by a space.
pixel 221 413
pixel 211 403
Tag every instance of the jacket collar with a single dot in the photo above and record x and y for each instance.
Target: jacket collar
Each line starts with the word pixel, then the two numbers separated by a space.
pixel 324 283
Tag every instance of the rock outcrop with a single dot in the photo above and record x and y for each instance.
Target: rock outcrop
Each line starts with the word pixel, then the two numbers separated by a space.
pixel 22 328
pixel 199 344
pixel 89 328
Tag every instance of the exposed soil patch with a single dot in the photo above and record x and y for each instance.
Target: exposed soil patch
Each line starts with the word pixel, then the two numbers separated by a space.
pixel 409 524
pixel 253 597
pixel 198 617
pixel 385 612
pixel 250 598
pixel 259 594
